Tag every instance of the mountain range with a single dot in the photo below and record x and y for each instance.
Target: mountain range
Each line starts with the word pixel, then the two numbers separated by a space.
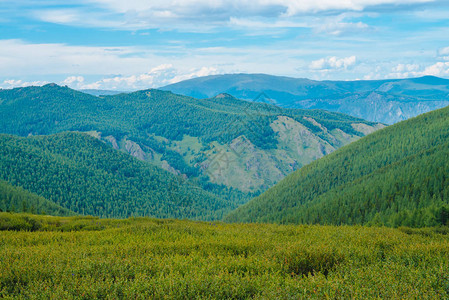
pixel 155 153
pixel 221 141
pixel 385 101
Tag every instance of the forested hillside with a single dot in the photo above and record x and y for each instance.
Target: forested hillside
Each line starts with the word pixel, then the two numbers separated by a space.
pixel 84 175
pixel 396 176
pixel 16 199
pixel 221 140
pixel 387 101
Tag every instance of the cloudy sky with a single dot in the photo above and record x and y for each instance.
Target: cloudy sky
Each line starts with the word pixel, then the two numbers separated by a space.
pixel 136 44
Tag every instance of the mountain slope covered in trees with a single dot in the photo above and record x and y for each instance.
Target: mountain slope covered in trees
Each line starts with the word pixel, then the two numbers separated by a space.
pixel 16 199
pixel 221 140
pixel 80 173
pixel 396 176
pixel 386 101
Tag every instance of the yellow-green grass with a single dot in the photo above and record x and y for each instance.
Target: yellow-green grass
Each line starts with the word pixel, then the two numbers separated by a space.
pixel 87 258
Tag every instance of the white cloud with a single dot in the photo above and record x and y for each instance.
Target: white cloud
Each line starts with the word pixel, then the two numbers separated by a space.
pixel 258 23
pixel 87 18
pixel 332 63
pixel 440 69
pixel 204 71
pixel 342 28
pixel 73 80
pixel 443 51
pixel 405 71
pixel 406 67
pixel 332 25
pixel 301 6
pixel 59 16
pixel 141 14
pixel 437 69
pixel 12 83
pixel 336 25
pixel 430 14
pixel 248 7
pixel 158 76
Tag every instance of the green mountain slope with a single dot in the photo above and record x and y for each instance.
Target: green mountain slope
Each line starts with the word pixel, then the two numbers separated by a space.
pixel 82 174
pixel 221 140
pixel 387 101
pixel 16 199
pixel 396 176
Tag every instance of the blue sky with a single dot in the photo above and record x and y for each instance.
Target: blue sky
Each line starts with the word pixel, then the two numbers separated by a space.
pixel 134 44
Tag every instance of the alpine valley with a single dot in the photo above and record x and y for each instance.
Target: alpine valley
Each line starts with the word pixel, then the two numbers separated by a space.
pixel 228 149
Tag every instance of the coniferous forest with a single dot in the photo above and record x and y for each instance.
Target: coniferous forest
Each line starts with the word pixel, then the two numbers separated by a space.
pixel 397 176
pixel 83 175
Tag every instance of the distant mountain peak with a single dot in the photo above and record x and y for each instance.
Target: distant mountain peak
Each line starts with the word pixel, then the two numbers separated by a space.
pixel 52 84
pixel 224 96
pixel 430 80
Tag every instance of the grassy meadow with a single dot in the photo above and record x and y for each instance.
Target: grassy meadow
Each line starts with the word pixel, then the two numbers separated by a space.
pixel 43 257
